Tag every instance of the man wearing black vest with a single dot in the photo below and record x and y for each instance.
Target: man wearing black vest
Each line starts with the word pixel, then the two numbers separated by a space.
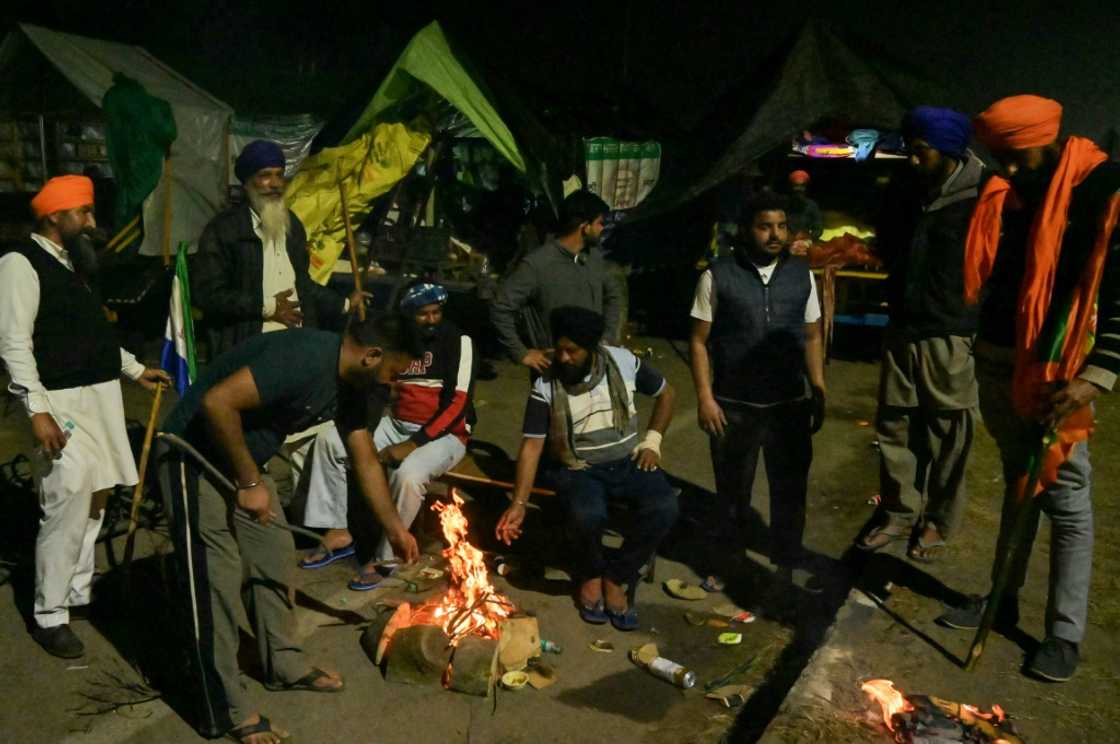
pixel 64 364
pixel 758 367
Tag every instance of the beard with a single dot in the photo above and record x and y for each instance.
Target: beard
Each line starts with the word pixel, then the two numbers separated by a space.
pixel 83 254
pixel 276 221
pixel 573 375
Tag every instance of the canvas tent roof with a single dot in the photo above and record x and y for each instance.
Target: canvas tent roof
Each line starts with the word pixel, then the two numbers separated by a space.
pixel 822 76
pixel 431 63
pixel 198 156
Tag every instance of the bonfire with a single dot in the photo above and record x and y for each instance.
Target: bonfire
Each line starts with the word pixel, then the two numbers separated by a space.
pixel 925 719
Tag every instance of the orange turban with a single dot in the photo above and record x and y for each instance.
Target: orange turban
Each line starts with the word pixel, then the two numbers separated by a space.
pixel 799 177
pixel 1019 122
pixel 61 193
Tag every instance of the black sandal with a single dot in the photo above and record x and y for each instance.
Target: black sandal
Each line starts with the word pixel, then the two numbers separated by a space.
pixel 893 533
pixel 306 683
pixel 263 726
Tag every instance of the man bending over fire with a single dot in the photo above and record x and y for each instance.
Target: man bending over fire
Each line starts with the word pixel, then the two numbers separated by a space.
pixel 583 408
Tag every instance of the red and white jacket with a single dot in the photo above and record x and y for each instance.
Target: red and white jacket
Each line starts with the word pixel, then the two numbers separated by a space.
pixel 435 391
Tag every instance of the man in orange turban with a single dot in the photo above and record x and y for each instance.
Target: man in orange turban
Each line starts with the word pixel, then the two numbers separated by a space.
pixel 64 363
pixel 1040 256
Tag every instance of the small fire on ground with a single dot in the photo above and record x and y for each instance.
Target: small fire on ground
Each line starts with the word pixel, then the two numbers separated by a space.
pixel 925 719
pixel 472 606
pixel 464 638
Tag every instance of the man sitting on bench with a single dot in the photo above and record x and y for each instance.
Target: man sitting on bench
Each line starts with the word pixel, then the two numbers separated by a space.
pixel 424 435
pixel 584 408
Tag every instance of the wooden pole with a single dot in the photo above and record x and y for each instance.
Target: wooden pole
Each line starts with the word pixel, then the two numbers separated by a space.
pixel 167 211
pixel 138 491
pixel 351 246
pixel 452 475
pixel 1011 548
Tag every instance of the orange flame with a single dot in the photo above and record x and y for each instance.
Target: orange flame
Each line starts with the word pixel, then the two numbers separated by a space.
pixel 889 699
pixel 472 606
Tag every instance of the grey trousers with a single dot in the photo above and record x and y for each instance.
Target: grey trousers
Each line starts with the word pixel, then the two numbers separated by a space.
pixel 925 423
pixel 229 562
pixel 1068 503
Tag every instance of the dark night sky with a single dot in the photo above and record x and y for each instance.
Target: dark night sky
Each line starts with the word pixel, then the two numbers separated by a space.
pixel 669 61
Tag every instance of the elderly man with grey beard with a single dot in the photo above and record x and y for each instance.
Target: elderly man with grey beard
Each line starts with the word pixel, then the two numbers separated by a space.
pixel 250 274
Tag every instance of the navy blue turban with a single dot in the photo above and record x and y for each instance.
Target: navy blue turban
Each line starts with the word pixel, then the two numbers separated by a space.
pixel 419 295
pixel 258 155
pixel 946 130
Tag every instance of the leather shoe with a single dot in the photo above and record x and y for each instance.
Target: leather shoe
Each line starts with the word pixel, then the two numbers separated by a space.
pixel 59 641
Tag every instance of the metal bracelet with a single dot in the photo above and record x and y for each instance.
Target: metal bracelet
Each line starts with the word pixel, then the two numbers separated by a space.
pixel 247 486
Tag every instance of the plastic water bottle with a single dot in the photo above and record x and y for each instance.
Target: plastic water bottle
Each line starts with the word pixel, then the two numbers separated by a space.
pixel 551 647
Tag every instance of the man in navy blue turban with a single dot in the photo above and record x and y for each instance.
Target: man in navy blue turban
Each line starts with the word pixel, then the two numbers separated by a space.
pixel 927 392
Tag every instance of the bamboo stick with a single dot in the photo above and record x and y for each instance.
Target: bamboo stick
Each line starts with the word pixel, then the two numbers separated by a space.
pixel 138 491
pixel 352 246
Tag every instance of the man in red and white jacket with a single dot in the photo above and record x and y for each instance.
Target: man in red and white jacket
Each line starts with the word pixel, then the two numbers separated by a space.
pixel 424 435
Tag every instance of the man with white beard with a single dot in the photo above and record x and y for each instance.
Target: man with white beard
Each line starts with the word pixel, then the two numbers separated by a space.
pixel 250 274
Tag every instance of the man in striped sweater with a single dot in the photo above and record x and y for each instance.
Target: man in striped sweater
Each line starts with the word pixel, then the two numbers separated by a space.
pixel 424 435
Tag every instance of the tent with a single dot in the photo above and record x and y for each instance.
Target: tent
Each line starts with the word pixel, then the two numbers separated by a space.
pixel 821 77
pixel 198 162
pixel 394 128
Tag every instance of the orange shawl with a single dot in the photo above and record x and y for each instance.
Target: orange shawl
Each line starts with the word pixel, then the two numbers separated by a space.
pixel 1041 361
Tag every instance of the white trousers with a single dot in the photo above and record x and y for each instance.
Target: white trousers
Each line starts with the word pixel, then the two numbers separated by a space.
pixel 97 456
pixel 326 492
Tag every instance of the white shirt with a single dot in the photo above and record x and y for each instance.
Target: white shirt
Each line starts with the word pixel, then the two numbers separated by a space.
pixel 704 302
pixel 19 306
pixel 277 275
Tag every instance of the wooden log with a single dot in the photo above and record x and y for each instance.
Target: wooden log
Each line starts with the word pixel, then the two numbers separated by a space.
pixel 371 636
pixel 399 619
pixel 472 666
pixel 418 655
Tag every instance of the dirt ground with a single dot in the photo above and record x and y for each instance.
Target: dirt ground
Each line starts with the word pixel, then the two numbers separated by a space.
pixel 129 665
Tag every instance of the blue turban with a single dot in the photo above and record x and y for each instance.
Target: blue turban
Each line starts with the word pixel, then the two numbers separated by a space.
pixel 419 295
pixel 258 155
pixel 946 130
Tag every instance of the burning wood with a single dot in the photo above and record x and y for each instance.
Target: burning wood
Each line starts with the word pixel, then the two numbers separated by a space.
pixel 454 639
pixel 925 719
pixel 472 606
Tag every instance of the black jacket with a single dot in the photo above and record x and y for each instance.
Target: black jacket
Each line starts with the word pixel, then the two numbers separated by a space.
pixel 227 278
pixel 926 285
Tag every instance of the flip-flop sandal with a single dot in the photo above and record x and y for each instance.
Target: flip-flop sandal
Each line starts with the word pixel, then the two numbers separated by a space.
pixel 366 581
pixel 263 726
pixel 924 552
pixel 595 614
pixel 892 533
pixel 625 621
pixel 322 560
pixel 306 683
pixel 683 590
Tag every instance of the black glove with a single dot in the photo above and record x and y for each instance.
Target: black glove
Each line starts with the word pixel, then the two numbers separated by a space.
pixel 816 412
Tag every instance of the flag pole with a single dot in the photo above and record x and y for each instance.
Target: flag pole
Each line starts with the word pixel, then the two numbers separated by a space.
pixel 167 211
pixel 1014 544
pixel 351 245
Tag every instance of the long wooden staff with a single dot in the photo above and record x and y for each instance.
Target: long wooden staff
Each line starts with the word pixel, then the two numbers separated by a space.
pixel 138 492
pixel 1011 548
pixel 352 246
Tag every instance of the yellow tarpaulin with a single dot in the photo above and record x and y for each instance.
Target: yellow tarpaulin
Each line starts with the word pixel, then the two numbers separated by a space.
pixel 369 166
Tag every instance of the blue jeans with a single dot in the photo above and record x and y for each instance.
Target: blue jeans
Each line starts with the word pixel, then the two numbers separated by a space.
pixel 1068 503
pixel 587 495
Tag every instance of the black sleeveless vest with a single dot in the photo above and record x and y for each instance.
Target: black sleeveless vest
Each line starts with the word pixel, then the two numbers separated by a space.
pixel 757 341
pixel 74 343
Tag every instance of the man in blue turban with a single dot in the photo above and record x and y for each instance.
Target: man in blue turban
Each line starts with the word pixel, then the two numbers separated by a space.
pixel 250 274
pixel 927 392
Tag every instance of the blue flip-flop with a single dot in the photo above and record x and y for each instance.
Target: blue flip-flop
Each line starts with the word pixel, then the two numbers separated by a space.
pixel 366 581
pixel 594 614
pixel 328 558
pixel 624 621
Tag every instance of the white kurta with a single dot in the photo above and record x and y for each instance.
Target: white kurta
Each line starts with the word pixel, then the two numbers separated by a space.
pixel 97 454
